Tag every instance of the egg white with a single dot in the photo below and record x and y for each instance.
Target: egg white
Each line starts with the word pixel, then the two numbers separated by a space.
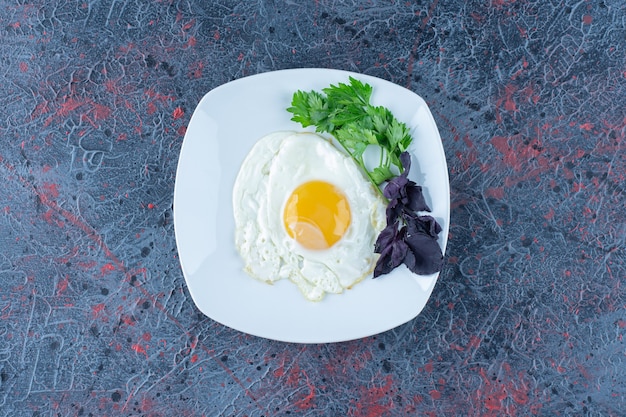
pixel 276 165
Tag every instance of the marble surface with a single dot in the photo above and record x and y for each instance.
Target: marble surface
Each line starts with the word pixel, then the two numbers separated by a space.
pixel 528 316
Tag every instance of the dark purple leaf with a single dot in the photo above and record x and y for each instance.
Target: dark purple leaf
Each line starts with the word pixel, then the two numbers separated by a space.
pixel 394 211
pixel 391 256
pixel 405 160
pixel 434 228
pixel 423 224
pixel 409 260
pixel 394 187
pixel 415 198
pixel 427 253
pixel 415 243
pixel 386 237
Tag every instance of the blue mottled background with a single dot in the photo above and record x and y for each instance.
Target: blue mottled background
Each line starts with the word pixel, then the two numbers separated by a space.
pixel 528 317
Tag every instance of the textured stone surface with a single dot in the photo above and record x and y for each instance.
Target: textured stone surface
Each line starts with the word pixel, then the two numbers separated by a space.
pixel 528 317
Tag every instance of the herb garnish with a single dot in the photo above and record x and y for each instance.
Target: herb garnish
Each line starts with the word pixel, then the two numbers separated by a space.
pixel 409 238
pixel 345 112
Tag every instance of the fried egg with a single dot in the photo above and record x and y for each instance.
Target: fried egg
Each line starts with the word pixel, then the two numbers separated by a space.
pixel 304 211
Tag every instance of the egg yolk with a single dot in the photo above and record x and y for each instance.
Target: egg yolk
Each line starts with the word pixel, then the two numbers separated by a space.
pixel 317 215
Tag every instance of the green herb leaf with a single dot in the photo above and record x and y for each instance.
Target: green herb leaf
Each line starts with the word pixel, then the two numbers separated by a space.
pixel 381 174
pixel 344 111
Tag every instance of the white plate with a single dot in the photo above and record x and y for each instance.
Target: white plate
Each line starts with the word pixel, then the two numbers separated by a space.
pixel 223 128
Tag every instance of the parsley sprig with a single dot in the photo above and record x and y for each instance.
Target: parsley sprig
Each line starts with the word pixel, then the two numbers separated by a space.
pixel 344 111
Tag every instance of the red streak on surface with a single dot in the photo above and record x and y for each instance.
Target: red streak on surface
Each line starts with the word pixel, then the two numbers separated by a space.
pixel 97 111
pixel 518 154
pixel 66 108
pixel 501 3
pixel 50 218
pixel 549 215
pixel 147 404
pixel 520 396
pixel 375 401
pixel 40 108
pixel 51 189
pixel 511 92
pixel 112 87
pixel 127 320
pixel 495 192
pixel 359 361
pixel 280 371
pixel 502 395
pixel 434 394
pixel 584 372
pixel 158 96
pixel 492 394
pixel 107 268
pixel 477 17
pixel 139 349
pixel 195 70
pixel 193 343
pixel 577 186
pixel 501 144
pixel 97 309
pixel 307 402
pixel 23 66
pixel 155 99
pixel 62 285
pixel 474 342
pixel 509 104
pixel 189 24
pixel 294 375
pixel 101 112
pixel 178 113
pixel 88 265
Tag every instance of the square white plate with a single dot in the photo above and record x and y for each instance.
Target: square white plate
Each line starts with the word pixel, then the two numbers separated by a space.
pixel 226 123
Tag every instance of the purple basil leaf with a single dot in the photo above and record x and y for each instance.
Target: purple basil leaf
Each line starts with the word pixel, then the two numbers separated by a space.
pixel 423 224
pixel 416 201
pixel 398 251
pixel 409 216
pixel 433 228
pixel 382 267
pixel 386 237
pixel 391 256
pixel 405 160
pixel 394 187
pixel 415 244
pixel 409 260
pixel 427 253
pixel 394 211
pixel 404 198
